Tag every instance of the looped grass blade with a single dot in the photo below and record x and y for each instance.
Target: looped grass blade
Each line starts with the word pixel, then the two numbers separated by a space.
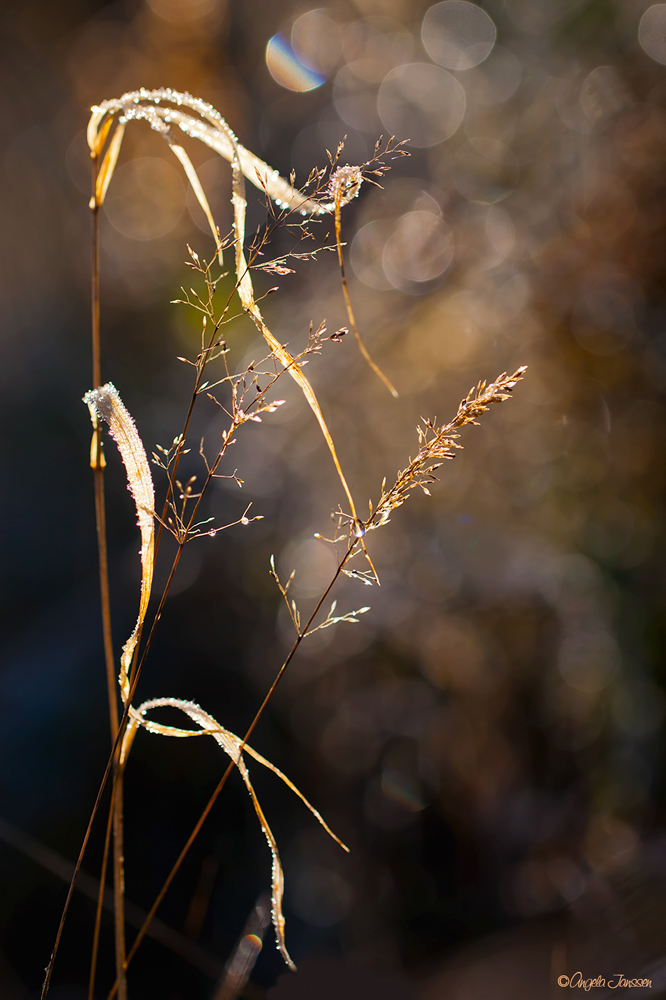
pixel 235 748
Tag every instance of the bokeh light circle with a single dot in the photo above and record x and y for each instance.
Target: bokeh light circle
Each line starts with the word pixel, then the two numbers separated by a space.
pixel 419 249
pixel 366 255
pixel 317 40
pixel 652 32
pixel 422 103
pixel 214 177
pixel 183 11
pixel 485 170
pixel 457 34
pixel 355 96
pixel 287 69
pixel 500 77
pixel 589 106
pixel 313 564
pixel 146 198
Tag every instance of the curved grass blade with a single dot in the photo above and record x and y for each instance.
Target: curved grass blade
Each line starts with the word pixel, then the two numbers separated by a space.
pixel 193 178
pixel 105 404
pixel 211 129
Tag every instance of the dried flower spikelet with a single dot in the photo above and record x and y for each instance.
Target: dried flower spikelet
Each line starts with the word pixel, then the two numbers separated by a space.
pixel 105 404
pixel 345 184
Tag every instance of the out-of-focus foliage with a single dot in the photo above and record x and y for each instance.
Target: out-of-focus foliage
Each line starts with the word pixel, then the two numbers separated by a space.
pixel 487 738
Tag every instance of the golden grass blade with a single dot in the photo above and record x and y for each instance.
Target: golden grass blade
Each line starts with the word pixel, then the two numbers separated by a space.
pixel 213 130
pixel 231 746
pixel 105 404
pixel 234 747
pixel 193 178
pixel 100 138
pixel 246 294
pixel 108 166
pixel 292 786
pixel 288 362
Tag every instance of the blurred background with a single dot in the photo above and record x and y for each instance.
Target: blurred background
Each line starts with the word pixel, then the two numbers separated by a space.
pixel 488 739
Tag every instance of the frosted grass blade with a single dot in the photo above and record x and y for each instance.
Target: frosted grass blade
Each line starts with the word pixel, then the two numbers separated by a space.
pixel 105 404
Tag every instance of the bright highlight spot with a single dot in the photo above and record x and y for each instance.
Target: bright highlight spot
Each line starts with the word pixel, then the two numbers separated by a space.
pixel 287 69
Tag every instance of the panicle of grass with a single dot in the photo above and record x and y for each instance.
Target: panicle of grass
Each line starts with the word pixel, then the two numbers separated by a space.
pixel 439 444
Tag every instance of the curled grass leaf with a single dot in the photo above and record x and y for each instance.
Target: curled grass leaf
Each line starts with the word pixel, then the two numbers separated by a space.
pixel 235 748
pixel 105 404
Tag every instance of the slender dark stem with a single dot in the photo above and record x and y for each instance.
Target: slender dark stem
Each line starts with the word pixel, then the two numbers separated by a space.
pixel 98 463
pixel 100 902
pixel 98 800
pixel 119 883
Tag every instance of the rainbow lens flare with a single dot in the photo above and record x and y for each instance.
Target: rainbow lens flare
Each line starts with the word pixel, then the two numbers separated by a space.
pixel 287 69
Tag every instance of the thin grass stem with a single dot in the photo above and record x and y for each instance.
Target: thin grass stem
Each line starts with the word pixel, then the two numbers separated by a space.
pixel 100 902
pixel 98 464
pixel 350 312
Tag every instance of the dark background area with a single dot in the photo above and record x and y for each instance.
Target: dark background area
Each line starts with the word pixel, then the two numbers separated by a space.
pixel 488 739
